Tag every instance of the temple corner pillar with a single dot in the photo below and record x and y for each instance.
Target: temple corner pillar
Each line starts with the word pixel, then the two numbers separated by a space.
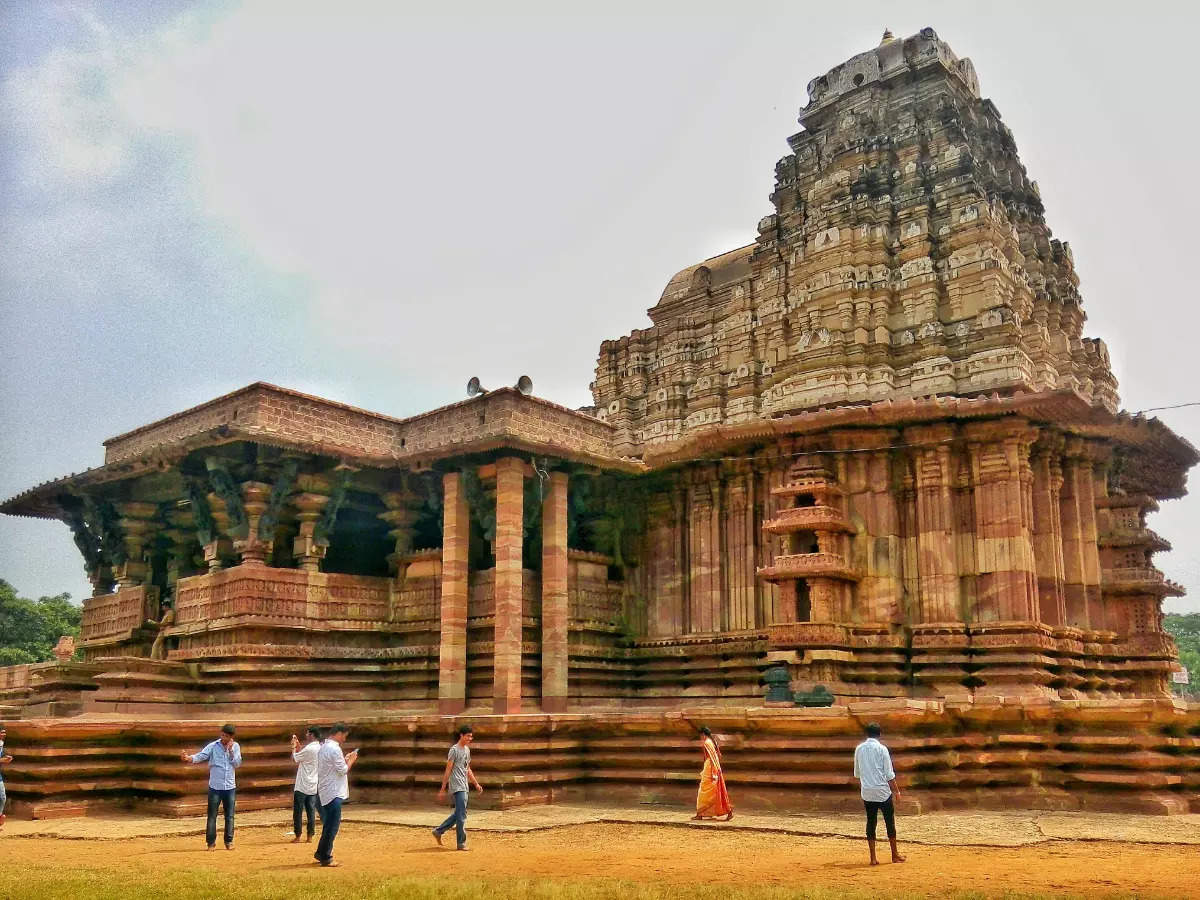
pixel 554 595
pixel 510 503
pixel 452 656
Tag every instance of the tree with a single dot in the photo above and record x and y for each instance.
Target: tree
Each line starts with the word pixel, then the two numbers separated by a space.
pixel 1186 631
pixel 29 629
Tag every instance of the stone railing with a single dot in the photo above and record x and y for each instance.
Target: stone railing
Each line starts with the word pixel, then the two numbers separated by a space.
pixel 118 615
pixel 16 677
pixel 1136 579
pixel 808 634
pixel 808 565
pixel 482 597
pixel 281 594
pixel 815 518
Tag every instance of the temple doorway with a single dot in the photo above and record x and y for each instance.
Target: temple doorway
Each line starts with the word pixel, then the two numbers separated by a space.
pixel 803 601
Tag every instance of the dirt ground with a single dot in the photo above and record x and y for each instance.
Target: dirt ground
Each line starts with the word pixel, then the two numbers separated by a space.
pixel 976 855
pixel 746 857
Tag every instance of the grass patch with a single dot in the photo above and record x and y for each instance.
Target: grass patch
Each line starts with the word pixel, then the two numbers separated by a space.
pixel 52 882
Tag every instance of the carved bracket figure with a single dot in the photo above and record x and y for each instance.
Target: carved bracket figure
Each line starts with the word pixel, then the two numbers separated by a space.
pixel 104 517
pixel 201 512
pixel 279 493
pixel 87 540
pixel 225 488
pixel 324 526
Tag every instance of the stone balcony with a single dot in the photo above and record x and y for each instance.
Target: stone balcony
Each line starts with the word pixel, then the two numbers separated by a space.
pixel 1134 537
pixel 1138 580
pixel 808 565
pixel 807 518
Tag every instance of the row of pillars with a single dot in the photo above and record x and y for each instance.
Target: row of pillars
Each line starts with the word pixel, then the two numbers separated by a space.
pixel 506 690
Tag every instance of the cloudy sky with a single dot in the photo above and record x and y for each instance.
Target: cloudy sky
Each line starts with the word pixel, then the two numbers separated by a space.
pixel 375 205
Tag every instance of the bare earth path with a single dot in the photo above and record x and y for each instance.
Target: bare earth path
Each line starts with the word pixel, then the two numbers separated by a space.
pixel 585 851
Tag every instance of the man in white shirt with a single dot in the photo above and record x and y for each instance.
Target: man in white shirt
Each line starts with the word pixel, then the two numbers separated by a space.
pixel 877 778
pixel 332 788
pixel 304 795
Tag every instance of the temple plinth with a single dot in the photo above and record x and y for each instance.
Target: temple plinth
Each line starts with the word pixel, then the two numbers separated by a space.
pixel 871 451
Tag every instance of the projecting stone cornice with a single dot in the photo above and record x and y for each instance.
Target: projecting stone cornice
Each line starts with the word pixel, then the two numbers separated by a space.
pixel 502 419
pixel 1158 468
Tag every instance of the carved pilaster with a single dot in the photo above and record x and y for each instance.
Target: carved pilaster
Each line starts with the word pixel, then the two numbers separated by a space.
pixel 937 558
pixel 999 453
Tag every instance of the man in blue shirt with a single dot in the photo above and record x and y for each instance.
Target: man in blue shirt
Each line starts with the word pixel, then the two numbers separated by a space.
pixel 223 756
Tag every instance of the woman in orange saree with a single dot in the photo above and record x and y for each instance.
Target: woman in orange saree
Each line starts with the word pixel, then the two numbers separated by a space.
pixel 712 800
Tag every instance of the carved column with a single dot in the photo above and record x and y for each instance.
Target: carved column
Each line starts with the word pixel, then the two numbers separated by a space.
pixel 664 616
pixel 1094 488
pixel 1081 559
pixel 554 595
pixel 400 517
pixel 135 523
pixel 1007 589
pixel 1047 531
pixel 251 547
pixel 510 487
pixel 306 548
pixel 937 563
pixel 738 532
pixel 704 556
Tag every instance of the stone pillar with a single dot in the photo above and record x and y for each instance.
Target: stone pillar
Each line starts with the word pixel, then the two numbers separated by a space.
pixel 252 550
pixel 1007 589
pixel 937 558
pixel 305 547
pixel 510 497
pixel 135 522
pixel 399 516
pixel 452 659
pixel 554 595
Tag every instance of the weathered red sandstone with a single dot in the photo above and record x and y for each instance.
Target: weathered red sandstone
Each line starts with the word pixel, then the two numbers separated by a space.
pixel 872 450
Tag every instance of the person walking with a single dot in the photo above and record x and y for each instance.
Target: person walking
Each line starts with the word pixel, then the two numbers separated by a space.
pixel 458 776
pixel 223 756
pixel 304 793
pixel 333 787
pixel 5 759
pixel 877 780
pixel 712 798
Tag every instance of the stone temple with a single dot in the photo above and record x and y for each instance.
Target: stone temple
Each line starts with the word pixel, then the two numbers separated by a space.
pixel 868 459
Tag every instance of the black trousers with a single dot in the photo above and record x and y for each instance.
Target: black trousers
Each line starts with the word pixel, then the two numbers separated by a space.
pixel 301 804
pixel 889 817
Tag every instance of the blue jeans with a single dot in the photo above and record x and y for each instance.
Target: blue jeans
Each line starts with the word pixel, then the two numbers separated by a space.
pixel 331 821
pixel 220 798
pixel 458 819
pixel 3 797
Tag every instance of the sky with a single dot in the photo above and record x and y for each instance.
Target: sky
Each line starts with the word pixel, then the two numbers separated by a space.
pixel 374 205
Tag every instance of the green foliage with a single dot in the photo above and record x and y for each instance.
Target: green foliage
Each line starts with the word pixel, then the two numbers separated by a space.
pixel 29 629
pixel 1186 631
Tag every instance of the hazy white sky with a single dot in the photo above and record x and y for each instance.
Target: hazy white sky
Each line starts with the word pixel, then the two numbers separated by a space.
pixel 375 205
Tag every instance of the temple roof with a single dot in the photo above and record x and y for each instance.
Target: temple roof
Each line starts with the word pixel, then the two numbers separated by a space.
pixel 267 414
pixel 714 272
